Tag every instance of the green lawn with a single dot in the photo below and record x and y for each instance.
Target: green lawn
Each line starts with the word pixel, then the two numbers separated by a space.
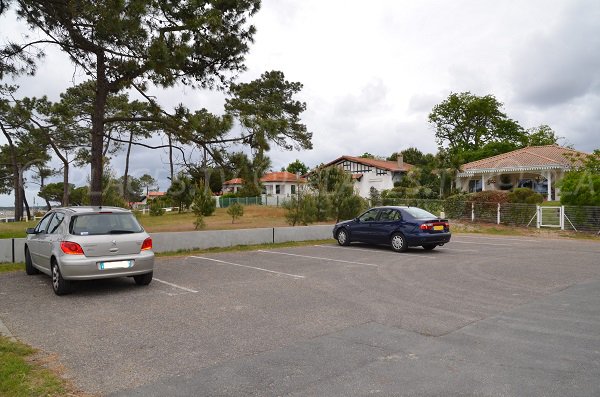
pixel 22 375
pixel 11 267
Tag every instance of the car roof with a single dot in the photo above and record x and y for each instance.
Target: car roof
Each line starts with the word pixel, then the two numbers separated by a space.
pixel 93 210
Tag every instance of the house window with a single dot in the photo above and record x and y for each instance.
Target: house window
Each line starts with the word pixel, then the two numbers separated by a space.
pixel 277 189
pixel 293 189
pixel 475 185
pixel 381 172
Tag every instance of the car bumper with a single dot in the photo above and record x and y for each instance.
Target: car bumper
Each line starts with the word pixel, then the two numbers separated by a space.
pixel 428 238
pixel 79 267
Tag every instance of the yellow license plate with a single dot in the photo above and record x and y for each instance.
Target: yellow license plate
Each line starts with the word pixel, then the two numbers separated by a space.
pixel 438 227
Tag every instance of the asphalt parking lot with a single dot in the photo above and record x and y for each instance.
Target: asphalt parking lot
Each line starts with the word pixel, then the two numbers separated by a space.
pixel 486 316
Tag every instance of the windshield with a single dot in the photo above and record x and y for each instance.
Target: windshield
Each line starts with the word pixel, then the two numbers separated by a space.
pixel 108 223
pixel 418 213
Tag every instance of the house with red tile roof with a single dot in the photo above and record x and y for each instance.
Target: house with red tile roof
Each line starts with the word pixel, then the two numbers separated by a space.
pixel 367 173
pixel 536 167
pixel 232 185
pixel 274 183
pixel 282 183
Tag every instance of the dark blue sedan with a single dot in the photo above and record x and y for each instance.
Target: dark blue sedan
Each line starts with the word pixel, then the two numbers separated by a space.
pixel 400 227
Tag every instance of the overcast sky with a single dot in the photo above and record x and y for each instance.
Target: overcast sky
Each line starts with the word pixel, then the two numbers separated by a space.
pixel 372 71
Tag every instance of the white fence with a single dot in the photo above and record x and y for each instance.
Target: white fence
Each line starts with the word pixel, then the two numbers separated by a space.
pixel 582 219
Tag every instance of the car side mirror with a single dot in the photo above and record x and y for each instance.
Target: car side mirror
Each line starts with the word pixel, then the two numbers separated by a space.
pixel 30 230
pixel 357 219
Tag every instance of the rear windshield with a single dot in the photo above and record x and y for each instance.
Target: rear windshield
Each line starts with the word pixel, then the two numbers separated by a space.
pixel 418 213
pixel 108 223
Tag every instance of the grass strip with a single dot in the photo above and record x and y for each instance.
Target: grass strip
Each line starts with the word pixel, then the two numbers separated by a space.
pixel 12 267
pixel 20 375
pixel 241 248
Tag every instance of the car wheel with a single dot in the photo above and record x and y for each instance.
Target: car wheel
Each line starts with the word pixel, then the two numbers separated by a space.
pixel 59 284
pixel 342 237
pixel 29 269
pixel 143 279
pixel 399 242
pixel 429 247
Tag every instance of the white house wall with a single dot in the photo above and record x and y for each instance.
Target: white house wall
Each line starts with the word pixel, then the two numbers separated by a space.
pixel 368 180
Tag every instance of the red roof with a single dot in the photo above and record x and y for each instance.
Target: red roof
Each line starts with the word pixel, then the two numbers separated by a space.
pixel 531 156
pixel 381 164
pixel 282 176
pixel 156 194
pixel 234 181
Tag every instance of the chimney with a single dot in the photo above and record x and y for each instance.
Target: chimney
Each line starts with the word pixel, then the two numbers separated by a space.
pixel 400 160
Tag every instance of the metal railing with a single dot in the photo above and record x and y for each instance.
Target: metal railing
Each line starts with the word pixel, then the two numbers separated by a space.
pixel 585 219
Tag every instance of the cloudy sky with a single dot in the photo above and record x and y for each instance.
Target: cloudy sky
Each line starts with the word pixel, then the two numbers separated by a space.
pixel 372 71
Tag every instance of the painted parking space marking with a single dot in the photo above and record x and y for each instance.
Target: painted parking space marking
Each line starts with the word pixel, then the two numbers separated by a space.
pixel 502 239
pixel 386 252
pixel 319 258
pixel 473 242
pixel 175 285
pixel 246 266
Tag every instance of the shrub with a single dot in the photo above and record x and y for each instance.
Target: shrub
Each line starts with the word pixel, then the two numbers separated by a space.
pixel 525 195
pixel 235 210
pixel 199 222
pixel 301 209
pixel 156 208
pixel 204 204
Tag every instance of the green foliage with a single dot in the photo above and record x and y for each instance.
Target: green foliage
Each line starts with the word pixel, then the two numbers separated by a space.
pixel 235 210
pixel 54 192
pixel 375 197
pixel 199 222
pixel 147 182
pixel 204 204
pixel 367 155
pixel 146 43
pixel 466 122
pixel 300 209
pixel 267 109
pixel 525 195
pixel 581 186
pixel 541 135
pixel 181 192
pixel 489 196
pixel 297 167
pixel 156 207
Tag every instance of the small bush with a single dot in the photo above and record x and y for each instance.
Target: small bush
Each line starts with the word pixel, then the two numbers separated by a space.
pixel 301 210
pixel 199 222
pixel 524 195
pixel 204 204
pixel 156 208
pixel 235 210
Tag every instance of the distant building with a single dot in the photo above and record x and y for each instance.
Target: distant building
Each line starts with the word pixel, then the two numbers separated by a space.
pixel 535 167
pixel 232 185
pixel 367 173
pixel 281 183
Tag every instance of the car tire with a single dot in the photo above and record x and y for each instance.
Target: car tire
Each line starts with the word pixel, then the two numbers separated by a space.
pixel 398 242
pixel 342 237
pixel 29 269
pixel 59 284
pixel 429 247
pixel 143 279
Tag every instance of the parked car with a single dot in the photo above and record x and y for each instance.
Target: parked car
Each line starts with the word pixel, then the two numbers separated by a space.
pixel 538 187
pixel 86 243
pixel 400 227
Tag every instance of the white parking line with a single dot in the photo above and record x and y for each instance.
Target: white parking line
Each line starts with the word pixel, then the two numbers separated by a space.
pixel 385 252
pixel 175 285
pixel 317 257
pixel 246 266
pixel 472 242
pixel 502 238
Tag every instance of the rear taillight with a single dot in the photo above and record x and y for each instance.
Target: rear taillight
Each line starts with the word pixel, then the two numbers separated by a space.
pixel 426 226
pixel 71 248
pixel 147 244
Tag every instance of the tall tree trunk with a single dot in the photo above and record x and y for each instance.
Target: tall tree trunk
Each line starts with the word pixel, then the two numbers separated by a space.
pixel 66 187
pixel 17 175
pixel 97 141
pixel 126 174
pixel 26 203
pixel 42 184
pixel 171 157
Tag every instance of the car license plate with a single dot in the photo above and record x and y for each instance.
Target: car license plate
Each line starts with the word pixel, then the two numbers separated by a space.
pixel 438 227
pixel 115 265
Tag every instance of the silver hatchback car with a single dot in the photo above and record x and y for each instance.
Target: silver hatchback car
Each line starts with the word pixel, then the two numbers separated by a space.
pixel 86 243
